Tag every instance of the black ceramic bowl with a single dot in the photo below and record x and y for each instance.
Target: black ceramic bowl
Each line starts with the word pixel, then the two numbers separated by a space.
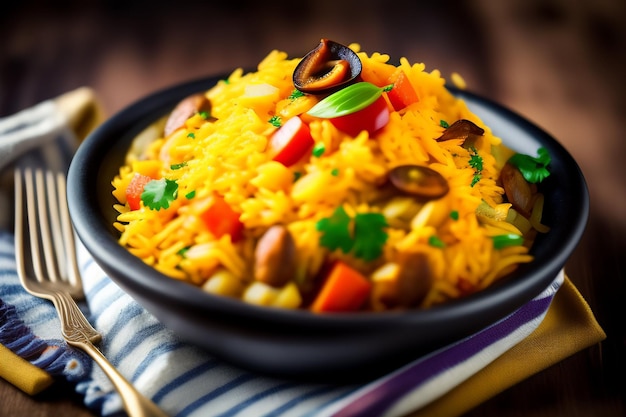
pixel 299 343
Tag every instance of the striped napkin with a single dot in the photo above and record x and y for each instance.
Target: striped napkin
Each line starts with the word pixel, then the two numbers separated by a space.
pixel 186 381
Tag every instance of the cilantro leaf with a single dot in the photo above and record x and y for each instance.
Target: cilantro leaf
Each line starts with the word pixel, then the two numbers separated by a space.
pixel 336 231
pixel 369 235
pixel 364 235
pixel 534 169
pixel 158 194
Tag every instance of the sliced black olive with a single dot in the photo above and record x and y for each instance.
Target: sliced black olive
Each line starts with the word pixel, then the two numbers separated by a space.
pixel 461 129
pixel 419 181
pixel 327 68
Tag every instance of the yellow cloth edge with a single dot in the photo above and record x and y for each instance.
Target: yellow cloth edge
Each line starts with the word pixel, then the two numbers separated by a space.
pixel 23 374
pixel 569 318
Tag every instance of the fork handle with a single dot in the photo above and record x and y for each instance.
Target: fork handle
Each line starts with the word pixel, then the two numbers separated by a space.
pixel 135 403
pixel 78 332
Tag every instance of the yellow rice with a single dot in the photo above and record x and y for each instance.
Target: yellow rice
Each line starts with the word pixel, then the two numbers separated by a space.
pixel 227 157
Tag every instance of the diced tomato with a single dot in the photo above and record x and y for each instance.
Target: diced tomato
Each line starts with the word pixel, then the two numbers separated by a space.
pixel 372 118
pixel 402 94
pixel 134 190
pixel 222 220
pixel 291 141
pixel 345 289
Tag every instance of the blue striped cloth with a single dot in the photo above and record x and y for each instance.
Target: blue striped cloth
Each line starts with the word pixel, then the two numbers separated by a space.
pixel 186 381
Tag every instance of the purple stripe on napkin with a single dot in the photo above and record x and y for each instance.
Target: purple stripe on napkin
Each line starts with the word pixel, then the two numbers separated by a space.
pixel 383 396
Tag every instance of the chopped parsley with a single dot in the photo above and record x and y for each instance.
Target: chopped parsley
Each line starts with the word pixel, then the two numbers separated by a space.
pixel 205 115
pixel 190 195
pixel 158 194
pixel 534 169
pixel 319 149
pixel 174 167
pixel 454 215
pixel 275 121
pixel 444 124
pixel 364 234
pixel 295 94
pixel 191 135
pixel 476 162
pixel 334 172
pixel 436 242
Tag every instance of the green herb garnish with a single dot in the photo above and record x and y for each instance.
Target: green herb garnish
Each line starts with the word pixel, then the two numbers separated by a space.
pixel 205 115
pixel 158 194
pixel 174 167
pixel 336 231
pixel 334 172
pixel 444 124
pixel 476 162
pixel 364 235
pixel 454 215
pixel 275 121
pixel 190 195
pixel 191 135
pixel 436 242
pixel 295 94
pixel 534 169
pixel 370 235
pixel 346 101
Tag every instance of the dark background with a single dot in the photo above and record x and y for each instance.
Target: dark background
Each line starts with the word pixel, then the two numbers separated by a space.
pixel 559 63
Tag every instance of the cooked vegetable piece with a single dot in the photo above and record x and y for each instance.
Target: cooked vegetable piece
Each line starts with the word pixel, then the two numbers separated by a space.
pixel 402 94
pixel 328 67
pixel 461 129
pixel 372 118
pixel 404 283
pixel 134 190
pixel 509 239
pixel 191 105
pixel 291 141
pixel 222 220
pixel 274 257
pixel 345 289
pixel 419 181
pixel 518 191
pixel 347 100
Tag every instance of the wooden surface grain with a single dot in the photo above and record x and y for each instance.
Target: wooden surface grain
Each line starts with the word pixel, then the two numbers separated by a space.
pixel 558 63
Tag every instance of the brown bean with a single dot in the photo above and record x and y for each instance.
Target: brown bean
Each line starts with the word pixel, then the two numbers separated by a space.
pixel 410 285
pixel 184 110
pixel 275 257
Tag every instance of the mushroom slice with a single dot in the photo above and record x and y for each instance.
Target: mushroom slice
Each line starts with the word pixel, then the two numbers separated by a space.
pixel 327 68
pixel 419 181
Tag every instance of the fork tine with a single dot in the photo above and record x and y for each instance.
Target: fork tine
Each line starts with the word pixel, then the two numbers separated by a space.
pixel 38 196
pixel 67 231
pixel 41 196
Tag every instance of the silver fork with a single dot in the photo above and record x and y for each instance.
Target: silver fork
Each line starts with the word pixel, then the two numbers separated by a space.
pixel 43 229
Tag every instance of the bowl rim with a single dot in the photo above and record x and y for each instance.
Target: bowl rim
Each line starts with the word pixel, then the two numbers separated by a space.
pixel 518 288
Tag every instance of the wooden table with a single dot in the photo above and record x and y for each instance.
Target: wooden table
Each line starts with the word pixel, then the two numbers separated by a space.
pixel 558 63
